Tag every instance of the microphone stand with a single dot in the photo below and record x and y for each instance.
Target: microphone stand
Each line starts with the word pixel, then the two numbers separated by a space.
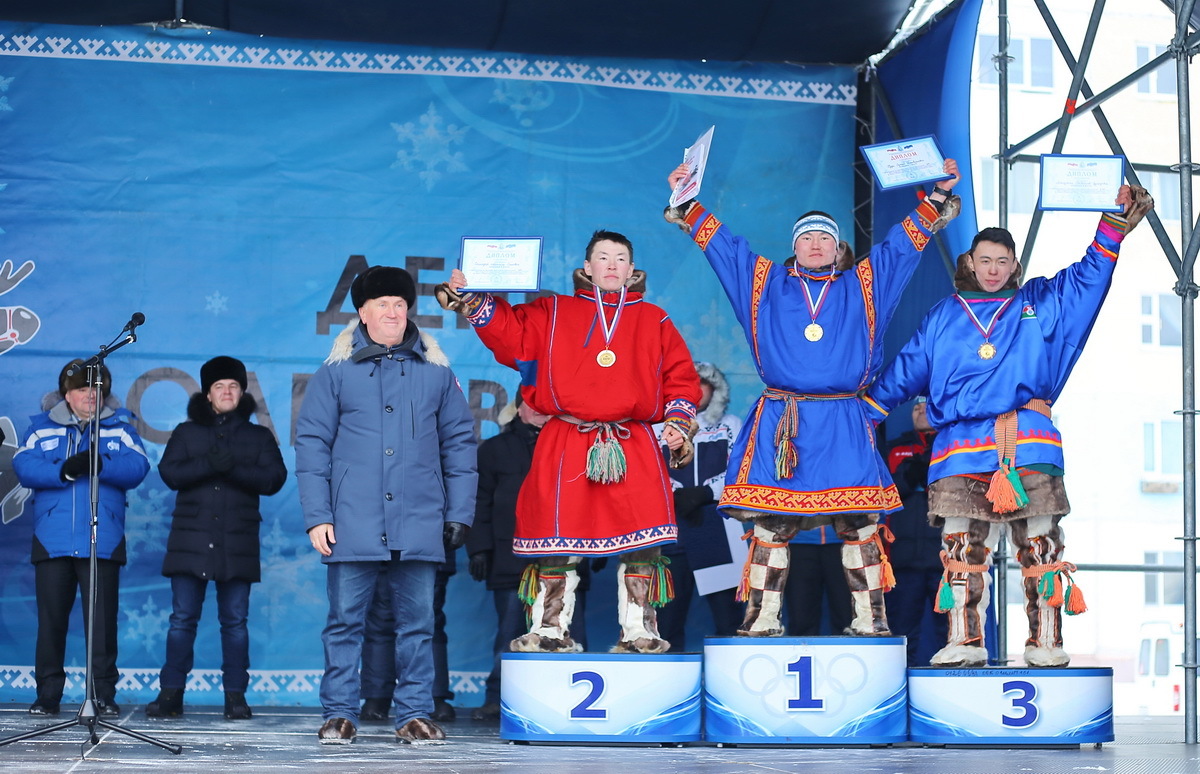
pixel 88 715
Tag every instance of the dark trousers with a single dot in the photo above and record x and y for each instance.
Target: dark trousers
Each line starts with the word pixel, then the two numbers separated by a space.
pixel 233 607
pixel 815 575
pixel 910 613
pixel 56 583
pixel 727 612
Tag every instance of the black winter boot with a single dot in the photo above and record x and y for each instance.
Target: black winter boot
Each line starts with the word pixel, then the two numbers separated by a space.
pixel 236 707
pixel 168 704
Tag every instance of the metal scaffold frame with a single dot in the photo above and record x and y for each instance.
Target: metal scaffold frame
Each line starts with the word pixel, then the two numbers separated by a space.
pixel 1183 46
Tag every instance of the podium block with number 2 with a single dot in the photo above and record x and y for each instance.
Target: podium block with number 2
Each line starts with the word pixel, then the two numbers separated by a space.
pixel 600 697
pixel 805 690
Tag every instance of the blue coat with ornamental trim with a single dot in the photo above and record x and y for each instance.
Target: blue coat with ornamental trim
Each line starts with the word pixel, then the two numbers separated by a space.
pixel 1039 331
pixel 62 510
pixel 385 449
pixel 838 467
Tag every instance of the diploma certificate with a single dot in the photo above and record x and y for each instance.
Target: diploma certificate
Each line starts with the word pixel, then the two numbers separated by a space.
pixel 906 162
pixel 1088 183
pixel 501 264
pixel 696 157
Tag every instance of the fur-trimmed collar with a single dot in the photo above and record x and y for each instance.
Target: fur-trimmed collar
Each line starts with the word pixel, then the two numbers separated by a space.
pixel 60 412
pixel 719 403
pixel 636 283
pixel 351 340
pixel 199 410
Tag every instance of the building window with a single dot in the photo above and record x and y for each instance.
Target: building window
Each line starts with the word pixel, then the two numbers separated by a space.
pixel 1031 65
pixel 1164 588
pixel 1023 181
pixel 1163 79
pixel 1162 320
pixel 1162 448
pixel 1166 193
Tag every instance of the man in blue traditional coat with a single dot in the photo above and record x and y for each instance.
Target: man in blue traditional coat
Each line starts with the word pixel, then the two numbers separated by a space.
pixel 806 454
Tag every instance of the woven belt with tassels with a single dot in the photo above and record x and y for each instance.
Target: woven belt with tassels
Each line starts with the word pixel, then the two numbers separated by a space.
pixel 786 457
pixel 1006 493
pixel 605 458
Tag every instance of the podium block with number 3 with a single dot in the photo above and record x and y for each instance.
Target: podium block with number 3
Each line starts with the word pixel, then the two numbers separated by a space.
pixel 1011 706
pixel 805 690
pixel 600 697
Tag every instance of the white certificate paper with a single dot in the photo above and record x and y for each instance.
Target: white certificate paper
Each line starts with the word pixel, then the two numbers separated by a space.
pixel 906 162
pixel 1088 183
pixel 696 157
pixel 501 264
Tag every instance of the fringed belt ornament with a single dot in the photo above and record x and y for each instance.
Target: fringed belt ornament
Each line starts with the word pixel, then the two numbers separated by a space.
pixel 605 459
pixel 1057 587
pixel 786 457
pixel 945 596
pixel 1006 493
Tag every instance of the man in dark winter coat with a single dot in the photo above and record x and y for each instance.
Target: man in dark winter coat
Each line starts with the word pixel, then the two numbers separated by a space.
pixel 219 462
pixel 53 461
pixel 385 461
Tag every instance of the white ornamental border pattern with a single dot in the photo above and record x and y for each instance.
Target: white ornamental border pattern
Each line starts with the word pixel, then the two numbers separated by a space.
pixel 476 66
pixel 285 685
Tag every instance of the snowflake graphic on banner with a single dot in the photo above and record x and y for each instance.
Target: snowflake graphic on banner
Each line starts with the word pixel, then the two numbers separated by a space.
pixel 431 143
pixel 147 625
pixel 216 303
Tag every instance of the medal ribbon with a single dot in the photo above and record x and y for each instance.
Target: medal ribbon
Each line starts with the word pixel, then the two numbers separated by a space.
pixel 986 332
pixel 815 309
pixel 608 330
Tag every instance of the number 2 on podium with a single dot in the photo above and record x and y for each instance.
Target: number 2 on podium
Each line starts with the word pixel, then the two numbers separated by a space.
pixel 584 710
pixel 804 699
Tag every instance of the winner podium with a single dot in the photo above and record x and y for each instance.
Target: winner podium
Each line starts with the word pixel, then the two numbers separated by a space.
pixel 600 697
pixel 805 690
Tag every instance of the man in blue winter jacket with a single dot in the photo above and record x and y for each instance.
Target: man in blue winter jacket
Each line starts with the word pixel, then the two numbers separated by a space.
pixel 385 461
pixel 53 461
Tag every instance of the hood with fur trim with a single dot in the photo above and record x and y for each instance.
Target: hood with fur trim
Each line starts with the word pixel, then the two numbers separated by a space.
pixel 425 346
pixel 720 397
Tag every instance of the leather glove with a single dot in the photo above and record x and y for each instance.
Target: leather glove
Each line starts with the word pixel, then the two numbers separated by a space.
pixel 221 459
pixel 454 534
pixel 76 466
pixel 1137 209
pixel 481 565
pixel 688 503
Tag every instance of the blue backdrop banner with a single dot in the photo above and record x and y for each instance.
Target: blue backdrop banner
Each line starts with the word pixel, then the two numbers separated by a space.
pixel 229 187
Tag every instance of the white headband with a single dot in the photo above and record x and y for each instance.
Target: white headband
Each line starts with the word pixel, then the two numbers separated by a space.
pixel 815 223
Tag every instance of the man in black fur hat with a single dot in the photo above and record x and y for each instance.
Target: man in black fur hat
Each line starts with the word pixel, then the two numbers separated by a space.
pixel 219 462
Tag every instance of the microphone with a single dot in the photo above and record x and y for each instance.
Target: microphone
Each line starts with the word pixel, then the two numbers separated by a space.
pixel 137 319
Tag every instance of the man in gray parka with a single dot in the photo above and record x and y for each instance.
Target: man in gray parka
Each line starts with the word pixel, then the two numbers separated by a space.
pixel 385 460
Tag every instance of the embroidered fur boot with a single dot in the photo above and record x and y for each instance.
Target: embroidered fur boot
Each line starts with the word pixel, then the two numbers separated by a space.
pixel 552 609
pixel 964 594
pixel 640 584
pixel 765 575
pixel 868 574
pixel 1040 556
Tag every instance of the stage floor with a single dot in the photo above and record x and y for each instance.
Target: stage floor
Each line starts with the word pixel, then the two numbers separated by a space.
pixel 284 739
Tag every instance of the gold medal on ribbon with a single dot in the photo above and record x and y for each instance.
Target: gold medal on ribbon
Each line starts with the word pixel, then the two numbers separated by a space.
pixel 606 358
pixel 987 350
pixel 813 332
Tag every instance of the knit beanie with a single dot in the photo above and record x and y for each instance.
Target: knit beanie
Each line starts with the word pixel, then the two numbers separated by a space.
pixel 380 281
pixel 222 367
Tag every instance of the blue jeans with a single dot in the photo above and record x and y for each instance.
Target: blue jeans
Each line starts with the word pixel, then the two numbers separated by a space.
pixel 379 643
pixel 351 586
pixel 233 607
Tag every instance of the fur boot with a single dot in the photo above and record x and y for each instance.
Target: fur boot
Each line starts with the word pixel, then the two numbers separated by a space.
pixel 966 586
pixel 1039 551
pixel 765 576
pixel 868 574
pixel 635 611
pixel 552 609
